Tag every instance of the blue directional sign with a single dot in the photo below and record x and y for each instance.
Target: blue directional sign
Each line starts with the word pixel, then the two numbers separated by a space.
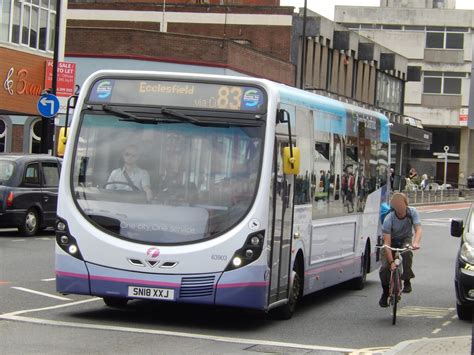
pixel 48 105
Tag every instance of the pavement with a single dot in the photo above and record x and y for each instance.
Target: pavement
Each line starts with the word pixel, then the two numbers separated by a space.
pixel 34 319
pixel 442 346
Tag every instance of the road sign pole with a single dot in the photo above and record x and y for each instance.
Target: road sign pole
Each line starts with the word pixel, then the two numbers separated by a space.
pixel 47 131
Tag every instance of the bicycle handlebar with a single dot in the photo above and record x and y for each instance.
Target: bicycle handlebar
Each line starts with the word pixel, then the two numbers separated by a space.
pixel 407 248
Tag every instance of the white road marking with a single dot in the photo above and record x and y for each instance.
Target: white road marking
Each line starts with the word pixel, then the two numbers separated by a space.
pixel 51 279
pixel 436 331
pixel 175 334
pixel 18 240
pixel 16 317
pixel 437 222
pixel 426 312
pixel 42 293
pixel 451 209
pixel 448 322
pixel 44 238
pixel 70 304
pixel 454 317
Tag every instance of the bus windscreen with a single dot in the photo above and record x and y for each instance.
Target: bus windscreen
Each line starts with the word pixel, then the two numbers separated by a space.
pixel 178 94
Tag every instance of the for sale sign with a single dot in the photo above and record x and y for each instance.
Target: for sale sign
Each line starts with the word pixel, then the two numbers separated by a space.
pixel 66 78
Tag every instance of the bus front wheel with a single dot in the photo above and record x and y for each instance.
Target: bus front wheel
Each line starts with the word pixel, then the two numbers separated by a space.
pixel 286 311
pixel 115 302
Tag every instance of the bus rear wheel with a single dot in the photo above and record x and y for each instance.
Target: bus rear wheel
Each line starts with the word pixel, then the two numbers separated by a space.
pixel 115 302
pixel 359 282
pixel 286 311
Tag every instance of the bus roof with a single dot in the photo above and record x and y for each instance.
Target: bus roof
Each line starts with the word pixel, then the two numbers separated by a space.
pixel 345 112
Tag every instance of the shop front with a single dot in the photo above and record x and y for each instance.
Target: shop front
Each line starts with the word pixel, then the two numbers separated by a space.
pixel 22 76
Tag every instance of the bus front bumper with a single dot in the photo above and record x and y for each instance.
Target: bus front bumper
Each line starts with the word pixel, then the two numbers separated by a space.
pixel 236 288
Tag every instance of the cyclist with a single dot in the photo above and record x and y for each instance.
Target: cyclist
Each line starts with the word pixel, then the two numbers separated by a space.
pixel 397 231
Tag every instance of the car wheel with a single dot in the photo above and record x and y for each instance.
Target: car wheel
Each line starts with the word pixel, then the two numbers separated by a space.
pixel 464 312
pixel 31 223
pixel 115 302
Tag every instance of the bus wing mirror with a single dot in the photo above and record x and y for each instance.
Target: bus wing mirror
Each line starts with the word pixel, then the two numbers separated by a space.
pixel 291 162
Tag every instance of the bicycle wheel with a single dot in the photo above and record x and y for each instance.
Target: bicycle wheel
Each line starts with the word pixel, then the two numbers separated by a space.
pixel 395 293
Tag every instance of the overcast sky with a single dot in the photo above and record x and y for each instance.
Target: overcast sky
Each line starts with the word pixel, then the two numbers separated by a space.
pixel 326 7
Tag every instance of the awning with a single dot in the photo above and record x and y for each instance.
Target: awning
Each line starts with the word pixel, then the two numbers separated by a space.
pixel 409 134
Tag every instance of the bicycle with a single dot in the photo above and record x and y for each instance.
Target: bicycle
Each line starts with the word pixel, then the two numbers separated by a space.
pixel 396 287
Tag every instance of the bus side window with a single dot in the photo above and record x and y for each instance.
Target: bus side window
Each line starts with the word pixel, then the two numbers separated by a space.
pixel 321 175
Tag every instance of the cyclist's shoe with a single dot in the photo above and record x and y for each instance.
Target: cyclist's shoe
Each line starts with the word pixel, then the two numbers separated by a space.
pixel 384 298
pixel 407 287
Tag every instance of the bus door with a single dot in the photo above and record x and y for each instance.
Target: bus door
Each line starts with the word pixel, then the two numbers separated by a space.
pixel 281 227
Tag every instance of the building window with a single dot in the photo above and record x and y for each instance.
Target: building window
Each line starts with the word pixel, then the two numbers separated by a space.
pixel 443 83
pixel 434 40
pixel 442 39
pixel 454 40
pixel 32 23
pixel 35 137
pixel 392 27
pixel 414 28
pixel 389 92
pixel 438 4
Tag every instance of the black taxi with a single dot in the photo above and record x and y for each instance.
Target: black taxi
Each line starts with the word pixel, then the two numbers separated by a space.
pixel 28 191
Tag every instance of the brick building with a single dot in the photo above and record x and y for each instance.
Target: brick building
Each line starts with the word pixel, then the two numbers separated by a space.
pixel 239 37
pixel 25 47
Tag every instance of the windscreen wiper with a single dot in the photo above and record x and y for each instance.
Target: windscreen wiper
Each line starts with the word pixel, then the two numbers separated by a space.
pixel 125 116
pixel 180 116
pixel 177 116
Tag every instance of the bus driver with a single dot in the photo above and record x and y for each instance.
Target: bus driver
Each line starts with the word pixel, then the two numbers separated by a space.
pixel 130 177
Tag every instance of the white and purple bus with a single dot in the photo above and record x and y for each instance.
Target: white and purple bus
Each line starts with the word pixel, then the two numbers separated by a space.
pixel 219 190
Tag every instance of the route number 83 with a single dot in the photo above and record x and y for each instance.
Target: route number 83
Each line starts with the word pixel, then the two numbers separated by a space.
pixel 229 97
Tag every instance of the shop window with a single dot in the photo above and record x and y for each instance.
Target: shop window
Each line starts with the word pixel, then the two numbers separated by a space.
pixel 3 136
pixel 35 137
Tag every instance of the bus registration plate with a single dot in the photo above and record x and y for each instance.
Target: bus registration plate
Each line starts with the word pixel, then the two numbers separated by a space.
pixel 152 293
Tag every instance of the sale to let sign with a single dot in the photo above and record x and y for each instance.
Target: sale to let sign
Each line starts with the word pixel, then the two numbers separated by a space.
pixel 66 78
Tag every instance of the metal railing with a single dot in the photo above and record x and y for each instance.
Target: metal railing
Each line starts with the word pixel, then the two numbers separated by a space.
pixel 437 193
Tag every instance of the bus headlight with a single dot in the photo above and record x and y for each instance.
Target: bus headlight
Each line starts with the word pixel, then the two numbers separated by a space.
pixel 65 241
pixel 251 251
pixel 237 261
pixel 61 226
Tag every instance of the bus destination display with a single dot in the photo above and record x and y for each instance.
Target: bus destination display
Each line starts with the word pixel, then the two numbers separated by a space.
pixel 178 94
